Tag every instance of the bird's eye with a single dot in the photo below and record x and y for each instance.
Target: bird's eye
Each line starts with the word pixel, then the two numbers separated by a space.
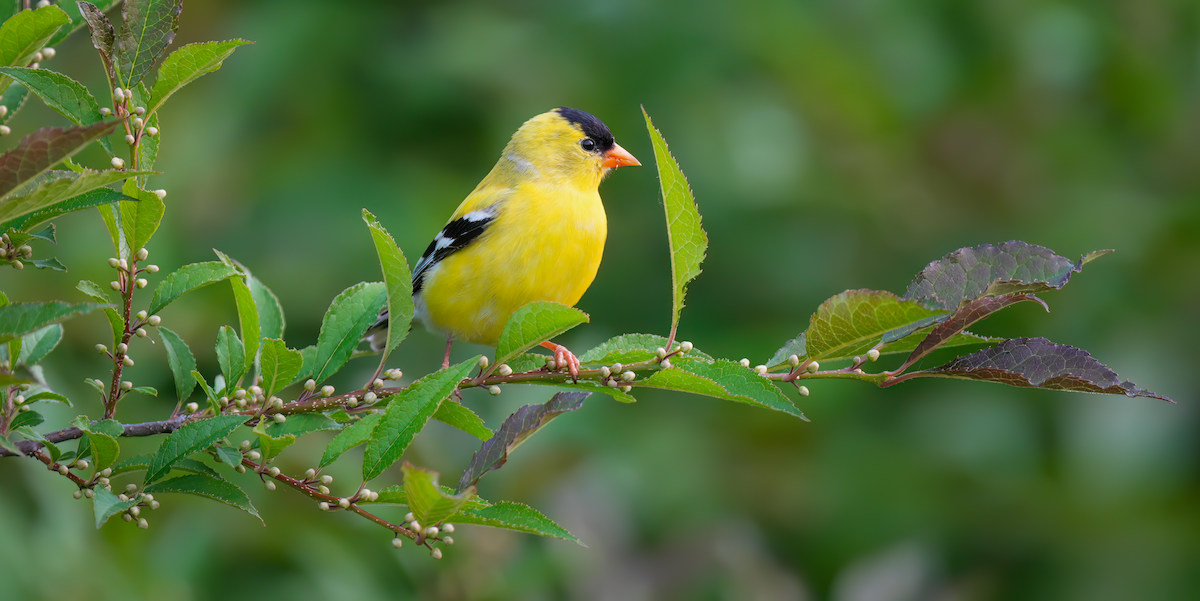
pixel 588 144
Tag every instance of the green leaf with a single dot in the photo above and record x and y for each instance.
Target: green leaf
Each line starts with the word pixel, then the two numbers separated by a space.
pixel 514 516
pixel 150 26
pixel 229 456
pixel 272 446
pixel 105 450
pixel 107 505
pixel 453 413
pixel 1039 363
pixel 188 278
pixel 187 64
pixel 25 33
pixel 37 344
pixel 301 424
pixel 726 380
pixel 796 346
pixel 14 98
pixel 146 390
pixel 182 363
pixel 87 200
pixel 279 365
pixel 59 92
pixel 632 348
pixel 686 237
pixel 19 319
pixel 205 486
pixel 352 436
pixel 56 191
pixel 140 219
pixel 193 437
pixel 986 270
pixel 231 356
pixel 515 430
pixel 115 319
pixel 74 11
pixel 348 317
pixel 104 38
pixel 398 279
pixel 270 313
pixel 407 414
pixel 47 395
pixel 26 418
pixel 309 353
pixel 426 500
pixel 247 319
pixel 41 150
pixel 52 264
pixel 141 462
pixel 534 323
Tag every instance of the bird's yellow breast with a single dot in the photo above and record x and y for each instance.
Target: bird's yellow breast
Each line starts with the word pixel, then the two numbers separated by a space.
pixel 545 244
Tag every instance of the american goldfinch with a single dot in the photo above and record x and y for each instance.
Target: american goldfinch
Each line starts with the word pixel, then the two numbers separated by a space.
pixel 532 230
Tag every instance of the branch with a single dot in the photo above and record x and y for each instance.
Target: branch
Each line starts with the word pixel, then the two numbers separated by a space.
pixel 28 447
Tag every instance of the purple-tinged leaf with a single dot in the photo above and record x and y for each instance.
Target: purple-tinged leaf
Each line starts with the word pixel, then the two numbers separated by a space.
pixel 104 37
pixel 1012 267
pixel 516 429
pixel 971 313
pixel 44 148
pixel 150 27
pixel 1039 363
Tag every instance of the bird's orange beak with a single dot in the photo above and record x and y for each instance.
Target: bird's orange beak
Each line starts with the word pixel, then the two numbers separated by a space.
pixel 619 157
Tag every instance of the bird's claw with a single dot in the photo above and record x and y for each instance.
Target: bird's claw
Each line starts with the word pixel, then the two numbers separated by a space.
pixel 564 358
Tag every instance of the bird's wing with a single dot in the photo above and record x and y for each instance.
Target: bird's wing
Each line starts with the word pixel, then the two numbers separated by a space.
pixel 457 235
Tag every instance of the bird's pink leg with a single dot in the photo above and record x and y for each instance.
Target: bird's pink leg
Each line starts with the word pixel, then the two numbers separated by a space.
pixel 446 359
pixel 564 358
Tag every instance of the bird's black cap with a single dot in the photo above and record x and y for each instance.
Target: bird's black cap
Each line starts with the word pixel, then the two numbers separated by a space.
pixel 591 126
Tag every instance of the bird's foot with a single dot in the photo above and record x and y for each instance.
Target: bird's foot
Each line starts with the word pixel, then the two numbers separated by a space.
pixel 564 358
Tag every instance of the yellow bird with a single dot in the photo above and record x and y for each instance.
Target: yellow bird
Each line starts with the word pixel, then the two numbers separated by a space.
pixel 533 229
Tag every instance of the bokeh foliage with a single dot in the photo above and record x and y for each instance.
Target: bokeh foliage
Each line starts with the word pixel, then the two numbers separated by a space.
pixel 831 145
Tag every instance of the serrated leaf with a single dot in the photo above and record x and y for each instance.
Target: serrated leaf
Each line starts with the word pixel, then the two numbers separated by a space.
pixel 191 438
pixel 231 355
pixel 309 354
pixel 43 149
pixel 686 237
pixel 150 26
pixel 188 278
pixel 398 279
pixel 181 361
pixel 588 386
pixel 187 64
pixel 724 379
pixel 247 321
pixel 25 33
pixel 971 312
pixel 1039 363
pixel 139 220
pixel 514 516
pixel 272 446
pixel 270 313
pixel 19 319
pixel 104 37
pixel 115 320
pixel 59 92
pixel 407 415
pixel 105 505
pixel 54 192
pixel 47 395
pixel 990 270
pixel 52 264
pixel 141 462
pixel 515 430
pixel 26 418
pixel 74 11
pixel 796 346
pixel 426 500
pixel 87 200
pixel 14 98
pixel 350 437
pixel 279 366
pixel 632 348
pixel 453 413
pixel 205 486
pixel 534 323
pixel 348 318
pixel 105 450
pixel 229 456
pixel 303 423
pixel 146 390
pixel 38 343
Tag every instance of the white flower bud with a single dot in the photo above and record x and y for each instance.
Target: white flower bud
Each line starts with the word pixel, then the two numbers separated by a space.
pixel 794 360
pixel 118 163
pixel 122 348
pixel 129 139
pixel 123 498
pixel 123 264
pixel 241 469
pixel 377 383
pixel 105 111
pixel 152 131
pixel 365 494
pixel 605 371
pixel 127 385
pixel 415 526
pixel 128 361
pixel 254 455
pixel 154 320
pixel 279 418
pixel 617 367
pixel 370 397
pixel 873 354
pixel 270 484
pixel 138 123
pixel 143 254
pixel 310 384
pixel 760 369
pixel 310 473
pixel 131 488
pixel 323 489
pixel 813 367
pixel 147 497
pixel 397 542
pixel 141 282
pixel 255 390
pixel 118 93
pixel 48 52
pixel 115 285
pixel 20 400
pixel 611 383
pixel 323 506
pixel 447 540
pixel 665 364
pixel 134 511
pixel 141 315
pixel 143 524
pixel 77 494
pixel 141 110
pixel 374 496
pixel 744 362
pixel 82 464
pixel 152 269
pixel 5 130
pixel 87 492
pixel 273 471
pixel 155 504
pixel 3 111
pixel 628 376
pixel 37 56
pixel 660 352
pixel 408 517
pixel 432 531
pixel 686 347
pixel 106 472
pixel 326 479
pixel 448 528
pixel 504 370
pixel 126 517
pixel 626 388
pixel 482 362
pixel 858 360
pixel 191 407
pixel 803 391
pixel 344 503
pixel 113 262
pixel 493 390
pixel 62 469
pixel 437 553
pixel 326 390
pixel 103 480
pixel 161 193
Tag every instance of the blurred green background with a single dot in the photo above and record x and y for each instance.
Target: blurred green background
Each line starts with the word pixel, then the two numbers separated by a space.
pixel 831 144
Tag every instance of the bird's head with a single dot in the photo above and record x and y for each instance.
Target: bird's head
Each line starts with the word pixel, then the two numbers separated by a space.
pixel 567 143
